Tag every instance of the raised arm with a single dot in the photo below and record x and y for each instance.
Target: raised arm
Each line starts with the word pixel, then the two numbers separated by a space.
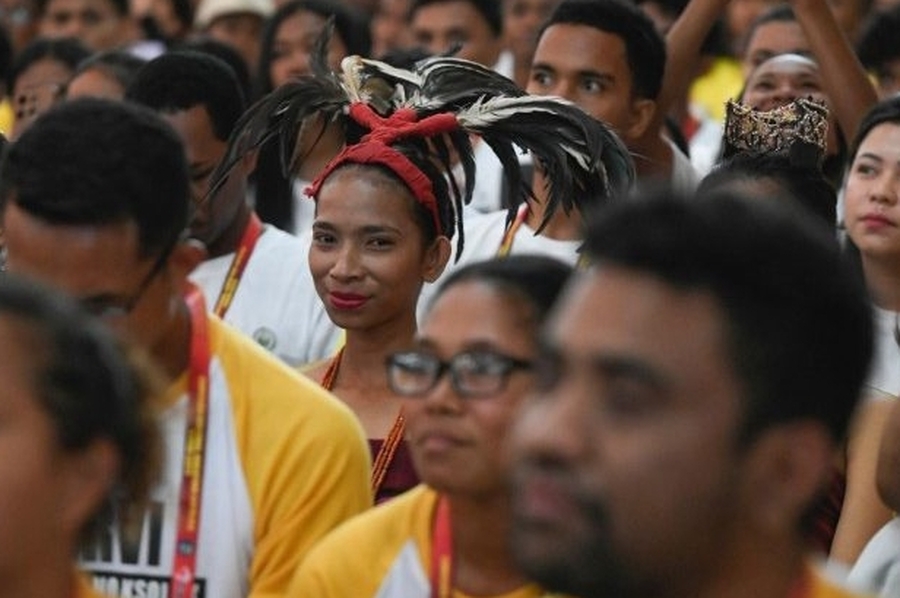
pixel 845 81
pixel 683 43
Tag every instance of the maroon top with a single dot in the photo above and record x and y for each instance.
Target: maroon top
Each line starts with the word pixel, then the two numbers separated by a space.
pixel 400 475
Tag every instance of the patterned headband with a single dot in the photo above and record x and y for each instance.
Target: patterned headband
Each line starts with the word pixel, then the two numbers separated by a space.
pixel 780 130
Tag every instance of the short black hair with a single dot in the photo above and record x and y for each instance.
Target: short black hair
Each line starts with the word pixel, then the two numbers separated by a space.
pixel 121 6
pixel 645 49
pixel 877 44
pixel 86 382
pixel 805 184
pixel 885 111
pixel 92 162
pixel 67 51
pixel 118 64
pixel 180 80
pixel 536 279
pixel 798 321
pixel 491 10
pixel 207 45
pixel 780 13
pixel 6 58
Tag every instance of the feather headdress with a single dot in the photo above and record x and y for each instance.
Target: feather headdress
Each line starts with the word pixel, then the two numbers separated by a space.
pixel 421 118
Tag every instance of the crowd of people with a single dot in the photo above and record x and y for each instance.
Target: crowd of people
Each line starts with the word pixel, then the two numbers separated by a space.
pixel 450 298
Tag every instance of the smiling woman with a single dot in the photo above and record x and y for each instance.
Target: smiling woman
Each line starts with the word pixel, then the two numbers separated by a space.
pixel 388 206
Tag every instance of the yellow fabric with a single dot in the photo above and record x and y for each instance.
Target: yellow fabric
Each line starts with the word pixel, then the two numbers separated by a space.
pixel 354 560
pixel 83 588
pixel 284 463
pixel 822 588
pixel 7 117
pixel 301 477
pixel 722 82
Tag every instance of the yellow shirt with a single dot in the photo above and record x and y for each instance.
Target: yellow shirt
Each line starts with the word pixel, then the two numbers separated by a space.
pixel 822 588
pixel 285 462
pixel 83 588
pixel 382 553
pixel 7 117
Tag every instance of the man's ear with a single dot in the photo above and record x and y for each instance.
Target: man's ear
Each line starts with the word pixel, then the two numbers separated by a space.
pixel 436 258
pixel 789 466
pixel 643 111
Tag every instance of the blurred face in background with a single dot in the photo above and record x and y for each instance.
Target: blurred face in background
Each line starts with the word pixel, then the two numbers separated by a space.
pixel 293 46
pixel 439 26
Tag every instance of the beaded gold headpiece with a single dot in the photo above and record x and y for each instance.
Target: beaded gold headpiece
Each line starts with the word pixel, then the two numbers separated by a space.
pixel 797 129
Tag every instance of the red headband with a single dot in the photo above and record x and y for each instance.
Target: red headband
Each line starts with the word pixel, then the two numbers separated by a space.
pixel 374 148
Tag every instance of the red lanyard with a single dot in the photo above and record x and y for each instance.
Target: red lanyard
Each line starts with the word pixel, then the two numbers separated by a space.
pixel 241 257
pixel 442 552
pixel 185 562
pixel 510 235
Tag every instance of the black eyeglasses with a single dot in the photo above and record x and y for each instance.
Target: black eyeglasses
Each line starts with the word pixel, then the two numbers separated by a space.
pixel 472 374
pixel 109 308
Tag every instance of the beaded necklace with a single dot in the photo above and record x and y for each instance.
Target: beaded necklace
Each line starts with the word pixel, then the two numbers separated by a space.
pixel 388 449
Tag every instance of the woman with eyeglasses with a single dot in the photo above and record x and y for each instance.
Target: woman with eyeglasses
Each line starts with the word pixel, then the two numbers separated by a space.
pixel 462 381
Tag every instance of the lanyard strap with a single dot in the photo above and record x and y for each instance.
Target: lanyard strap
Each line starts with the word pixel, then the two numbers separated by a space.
pixel 442 552
pixel 509 236
pixel 185 561
pixel 386 453
pixel 330 376
pixel 388 449
pixel 248 241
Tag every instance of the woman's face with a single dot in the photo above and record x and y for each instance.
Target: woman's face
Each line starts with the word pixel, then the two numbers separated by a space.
pixel 456 442
pixel 368 257
pixel 871 214
pixel 783 79
pixel 293 46
pixel 37 88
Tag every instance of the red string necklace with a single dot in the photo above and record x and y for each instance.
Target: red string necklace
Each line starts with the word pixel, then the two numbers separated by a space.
pixel 389 447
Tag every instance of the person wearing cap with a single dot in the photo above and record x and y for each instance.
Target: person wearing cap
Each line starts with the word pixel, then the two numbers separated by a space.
pixel 238 23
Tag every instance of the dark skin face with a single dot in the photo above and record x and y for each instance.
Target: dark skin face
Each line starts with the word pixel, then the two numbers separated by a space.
pixel 589 67
pixel 96 23
pixel 439 26
pixel 218 220
pixel 644 474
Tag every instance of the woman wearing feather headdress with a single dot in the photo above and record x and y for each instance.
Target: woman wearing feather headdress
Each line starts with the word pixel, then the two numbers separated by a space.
pixel 387 206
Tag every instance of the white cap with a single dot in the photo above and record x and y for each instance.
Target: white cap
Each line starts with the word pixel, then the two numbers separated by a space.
pixel 210 10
